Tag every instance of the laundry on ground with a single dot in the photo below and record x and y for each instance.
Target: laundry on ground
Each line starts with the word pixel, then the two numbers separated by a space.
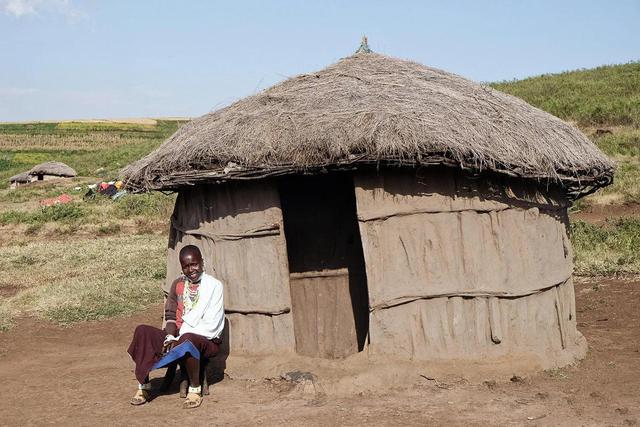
pixel 112 189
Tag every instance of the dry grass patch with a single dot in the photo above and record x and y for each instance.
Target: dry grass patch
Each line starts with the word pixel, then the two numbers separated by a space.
pixel 622 144
pixel 625 187
pixel 77 280
pixel 88 141
pixel 608 249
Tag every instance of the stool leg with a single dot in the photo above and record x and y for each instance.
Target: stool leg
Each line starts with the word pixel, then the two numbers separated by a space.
pixel 203 377
pixel 184 386
pixel 168 377
pixel 184 381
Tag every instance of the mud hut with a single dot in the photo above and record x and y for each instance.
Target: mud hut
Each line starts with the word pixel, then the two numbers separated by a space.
pixel 384 206
pixel 51 170
pixel 20 179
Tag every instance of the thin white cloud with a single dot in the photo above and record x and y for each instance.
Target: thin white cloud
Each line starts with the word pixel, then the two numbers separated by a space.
pixel 23 8
pixel 18 8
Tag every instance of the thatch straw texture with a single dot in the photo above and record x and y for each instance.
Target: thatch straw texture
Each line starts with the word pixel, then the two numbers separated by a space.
pixel 53 168
pixel 21 178
pixel 373 109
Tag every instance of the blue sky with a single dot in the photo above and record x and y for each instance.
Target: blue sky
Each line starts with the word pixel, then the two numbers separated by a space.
pixel 66 59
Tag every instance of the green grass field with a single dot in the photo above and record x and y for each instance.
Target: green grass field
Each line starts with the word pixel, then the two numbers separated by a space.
pixel 88 259
pixel 92 149
pixel 93 259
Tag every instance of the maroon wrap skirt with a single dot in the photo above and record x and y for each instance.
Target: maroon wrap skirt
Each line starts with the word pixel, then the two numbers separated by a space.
pixel 146 347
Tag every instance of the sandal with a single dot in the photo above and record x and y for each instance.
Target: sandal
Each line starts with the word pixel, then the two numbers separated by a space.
pixel 194 398
pixel 141 397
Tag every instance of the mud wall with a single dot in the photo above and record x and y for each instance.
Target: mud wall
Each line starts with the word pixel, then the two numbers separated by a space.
pixel 238 227
pixel 465 268
pixel 456 267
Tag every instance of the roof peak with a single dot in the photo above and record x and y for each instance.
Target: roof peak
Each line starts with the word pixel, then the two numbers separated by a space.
pixel 364 46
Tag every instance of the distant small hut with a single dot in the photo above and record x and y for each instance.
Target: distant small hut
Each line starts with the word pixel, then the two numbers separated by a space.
pixel 20 179
pixel 51 170
pixel 384 206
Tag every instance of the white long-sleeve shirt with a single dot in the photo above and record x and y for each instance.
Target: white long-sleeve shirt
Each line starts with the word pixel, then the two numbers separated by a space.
pixel 206 318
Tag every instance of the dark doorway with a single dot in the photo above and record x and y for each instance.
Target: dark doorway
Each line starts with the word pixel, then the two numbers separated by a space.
pixel 327 273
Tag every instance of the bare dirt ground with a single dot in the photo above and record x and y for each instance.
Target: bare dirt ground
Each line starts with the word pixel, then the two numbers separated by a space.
pixel 81 375
pixel 599 214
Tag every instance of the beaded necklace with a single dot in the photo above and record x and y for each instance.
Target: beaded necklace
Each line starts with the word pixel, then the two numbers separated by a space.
pixel 189 296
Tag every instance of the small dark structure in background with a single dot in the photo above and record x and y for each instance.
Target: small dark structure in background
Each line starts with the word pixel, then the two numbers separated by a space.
pixel 51 170
pixel 20 179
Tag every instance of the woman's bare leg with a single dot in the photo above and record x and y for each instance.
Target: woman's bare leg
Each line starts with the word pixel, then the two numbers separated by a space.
pixel 193 370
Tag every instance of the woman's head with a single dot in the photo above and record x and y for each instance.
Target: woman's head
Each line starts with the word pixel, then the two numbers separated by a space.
pixel 191 262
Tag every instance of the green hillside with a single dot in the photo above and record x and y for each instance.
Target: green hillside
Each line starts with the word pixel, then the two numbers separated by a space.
pixel 604 103
pixel 608 95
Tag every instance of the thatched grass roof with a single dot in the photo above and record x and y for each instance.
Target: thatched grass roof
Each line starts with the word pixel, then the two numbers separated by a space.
pixel 21 178
pixel 373 109
pixel 53 168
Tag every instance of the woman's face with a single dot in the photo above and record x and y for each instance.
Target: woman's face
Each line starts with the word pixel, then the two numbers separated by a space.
pixel 191 264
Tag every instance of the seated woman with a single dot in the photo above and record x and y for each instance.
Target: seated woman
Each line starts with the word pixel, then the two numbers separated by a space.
pixel 194 311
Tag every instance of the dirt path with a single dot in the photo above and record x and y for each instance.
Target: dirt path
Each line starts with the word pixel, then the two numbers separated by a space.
pixel 599 214
pixel 82 376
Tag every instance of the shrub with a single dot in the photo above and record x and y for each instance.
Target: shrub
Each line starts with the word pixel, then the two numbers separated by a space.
pixel 64 213
pixel 111 228
pixel 15 217
pixel 68 212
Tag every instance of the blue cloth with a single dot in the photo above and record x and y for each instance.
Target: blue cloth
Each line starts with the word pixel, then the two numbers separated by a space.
pixel 177 353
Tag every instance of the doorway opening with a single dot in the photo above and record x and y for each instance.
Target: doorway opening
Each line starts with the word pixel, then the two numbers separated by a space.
pixel 330 302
